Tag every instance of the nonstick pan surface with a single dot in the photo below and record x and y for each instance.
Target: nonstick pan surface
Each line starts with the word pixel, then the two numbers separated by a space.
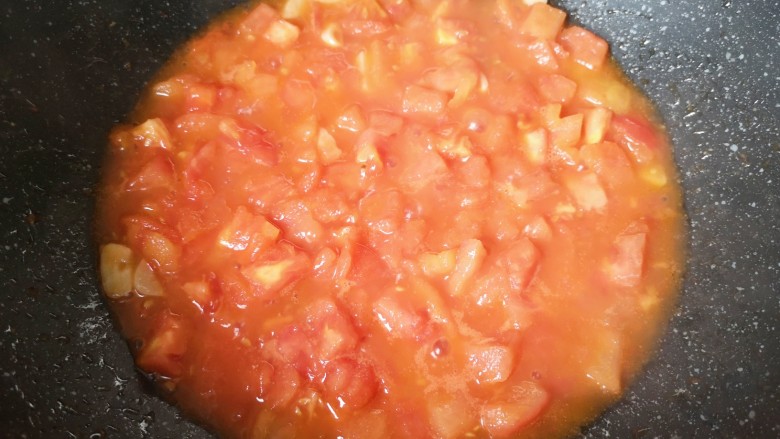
pixel 69 70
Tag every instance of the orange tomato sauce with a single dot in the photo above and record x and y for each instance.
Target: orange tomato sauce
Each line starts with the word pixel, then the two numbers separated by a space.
pixel 392 218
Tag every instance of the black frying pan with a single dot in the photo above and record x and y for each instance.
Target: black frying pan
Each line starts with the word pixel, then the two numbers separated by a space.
pixel 70 69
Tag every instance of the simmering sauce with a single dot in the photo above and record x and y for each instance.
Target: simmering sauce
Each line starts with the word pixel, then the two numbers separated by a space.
pixel 391 219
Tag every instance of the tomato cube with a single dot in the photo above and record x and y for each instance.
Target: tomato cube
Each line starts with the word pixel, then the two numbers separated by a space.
pixel 160 250
pixel 297 222
pixel 609 162
pixel 450 417
pixel 273 275
pixel 505 417
pixel 490 363
pixel 586 190
pixel 543 21
pixel 586 47
pixel 627 259
pixel 349 383
pixel 557 89
pixel 152 134
pixel 248 232
pixel 396 318
pixel 636 136
pixel 468 261
pixel 423 101
pixel 161 353
pixel 520 260
pixel 567 131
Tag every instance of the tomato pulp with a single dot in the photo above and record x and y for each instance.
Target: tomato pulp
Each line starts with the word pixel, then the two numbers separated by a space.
pixel 392 218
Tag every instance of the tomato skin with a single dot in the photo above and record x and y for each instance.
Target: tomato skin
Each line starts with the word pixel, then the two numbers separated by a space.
pixel 635 135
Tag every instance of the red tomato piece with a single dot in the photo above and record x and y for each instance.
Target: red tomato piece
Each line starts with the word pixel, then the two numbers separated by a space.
pixel 297 222
pixel 504 417
pixel 520 261
pixel 162 351
pixel 490 363
pixel 635 135
pixel 157 173
pixel 586 47
pixel 627 259
pixel 423 101
pixel 543 21
pixel 349 383
pixel 557 88
pixel 398 319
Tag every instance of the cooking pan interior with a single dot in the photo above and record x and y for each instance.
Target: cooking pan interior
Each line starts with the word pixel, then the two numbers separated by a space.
pixel 70 70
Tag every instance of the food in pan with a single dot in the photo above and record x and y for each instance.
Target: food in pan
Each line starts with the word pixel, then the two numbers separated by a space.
pixel 392 218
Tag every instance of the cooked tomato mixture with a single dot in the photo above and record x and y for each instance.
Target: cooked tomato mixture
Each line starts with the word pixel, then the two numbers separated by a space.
pixel 391 219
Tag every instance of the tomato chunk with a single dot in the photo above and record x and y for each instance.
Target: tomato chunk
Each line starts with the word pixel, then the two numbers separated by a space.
pixel 490 363
pixel 627 259
pixel 506 416
pixel 586 47
pixel 635 135
pixel 543 21
pixel 161 354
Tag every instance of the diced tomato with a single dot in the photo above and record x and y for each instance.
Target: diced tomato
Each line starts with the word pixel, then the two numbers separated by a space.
pixel 490 363
pixel 505 417
pixel 604 361
pixel 543 21
pixel 386 123
pixel 152 134
pixel 282 33
pixel 450 416
pixel 331 333
pixel 275 273
pixel 349 383
pixel 566 132
pixel 370 425
pixel 587 48
pixel 538 230
pixel 200 97
pixel 161 251
pixel 286 384
pixel 587 190
pixel 382 211
pixel 557 88
pixel 469 259
pixel 609 162
pixel 438 264
pixel 299 95
pixel 257 21
pixel 520 260
pixel 627 259
pixel 248 232
pixel 297 222
pixel 423 101
pixel 460 80
pixel 162 351
pixel 596 124
pixel 541 52
pixel 474 171
pixel 203 294
pixel 398 319
pixel 157 173
pixel 635 135
pixel 351 119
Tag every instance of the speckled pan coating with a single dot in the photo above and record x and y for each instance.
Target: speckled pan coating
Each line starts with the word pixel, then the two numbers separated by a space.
pixel 69 70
